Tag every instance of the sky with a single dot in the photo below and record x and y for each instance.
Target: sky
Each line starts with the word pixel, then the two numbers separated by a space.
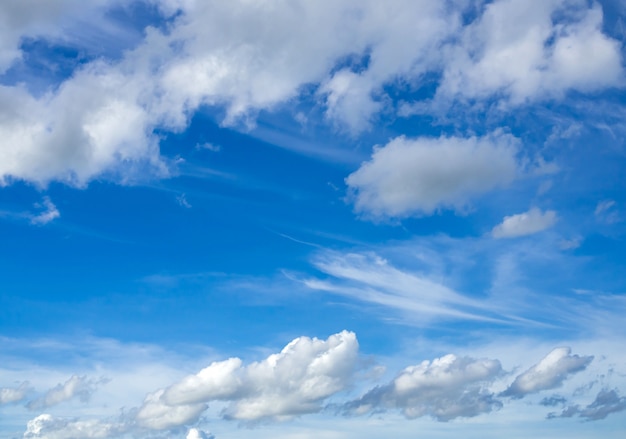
pixel 312 219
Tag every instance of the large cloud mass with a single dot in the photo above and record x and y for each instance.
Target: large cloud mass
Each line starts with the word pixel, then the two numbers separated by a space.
pixel 250 56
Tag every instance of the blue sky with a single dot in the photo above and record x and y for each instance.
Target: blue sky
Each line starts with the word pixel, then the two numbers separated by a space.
pixel 295 219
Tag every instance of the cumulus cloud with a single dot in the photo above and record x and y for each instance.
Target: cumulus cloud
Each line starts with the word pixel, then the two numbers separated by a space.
pixel 293 382
pixel 525 54
pixel 246 57
pixel 50 427
pixel 49 213
pixel 446 388
pixel 195 433
pixel 549 373
pixel 14 394
pixel 606 402
pixel 527 223
pixel 76 386
pixel 410 177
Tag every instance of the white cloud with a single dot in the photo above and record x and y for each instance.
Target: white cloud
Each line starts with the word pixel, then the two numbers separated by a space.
pixel 249 56
pixel 195 433
pixel 606 212
pixel 293 382
pixel 9 395
pixel 49 427
pixel 369 278
pixel 75 387
pixel 527 223
pixel 410 177
pixel 606 402
pixel 549 373
pixel 49 214
pixel 526 54
pixel 446 388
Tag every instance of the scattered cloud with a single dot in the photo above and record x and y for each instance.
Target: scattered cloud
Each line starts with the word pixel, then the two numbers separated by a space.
pixel 525 54
pixel 606 402
pixel 549 373
pixel 446 388
pixel 522 224
pixel 76 387
pixel 49 213
pixel 231 57
pixel 606 212
pixel 182 201
pixel 414 177
pixel 208 147
pixel 10 395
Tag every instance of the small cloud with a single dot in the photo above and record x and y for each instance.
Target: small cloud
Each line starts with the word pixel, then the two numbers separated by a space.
pixel 570 244
pixel 76 386
pixel 606 212
pixel 49 213
pixel 527 223
pixel 606 402
pixel 549 373
pixel 182 200
pixel 553 401
pixel 208 147
pixel 9 395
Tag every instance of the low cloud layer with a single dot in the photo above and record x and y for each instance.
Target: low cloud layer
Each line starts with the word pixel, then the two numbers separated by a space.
pixel 446 388
pixel 549 373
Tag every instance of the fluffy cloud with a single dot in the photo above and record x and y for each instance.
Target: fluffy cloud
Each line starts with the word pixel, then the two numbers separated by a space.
pixel 251 56
pixel 292 382
pixel 418 176
pixel 525 54
pixel 48 427
pixel 526 223
pixel 446 388
pixel 76 387
pixel 549 373
pixel 15 394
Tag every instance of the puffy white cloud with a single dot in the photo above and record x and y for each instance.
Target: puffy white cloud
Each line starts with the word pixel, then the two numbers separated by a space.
pixel 549 373
pixel 14 394
pixel 251 56
pixel 293 382
pixel 79 387
pixel 195 433
pixel 527 223
pixel 418 176
pixel 46 426
pixel 156 414
pixel 446 388
pixel 525 54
